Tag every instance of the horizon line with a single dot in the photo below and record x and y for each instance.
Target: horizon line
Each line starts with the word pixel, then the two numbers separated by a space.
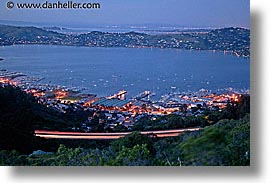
pixel 105 25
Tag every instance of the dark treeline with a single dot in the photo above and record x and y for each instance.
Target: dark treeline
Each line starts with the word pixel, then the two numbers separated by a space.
pixel 224 140
pixel 21 115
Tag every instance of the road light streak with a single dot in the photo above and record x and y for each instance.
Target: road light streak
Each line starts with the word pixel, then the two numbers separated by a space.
pixel 107 136
pixel 101 137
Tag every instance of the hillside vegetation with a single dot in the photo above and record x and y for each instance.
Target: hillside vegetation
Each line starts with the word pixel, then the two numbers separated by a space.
pixel 225 142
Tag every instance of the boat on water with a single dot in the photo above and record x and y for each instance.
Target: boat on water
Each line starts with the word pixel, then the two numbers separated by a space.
pixel 1 59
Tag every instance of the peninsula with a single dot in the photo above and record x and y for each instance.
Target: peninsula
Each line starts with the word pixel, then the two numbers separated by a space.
pixel 229 40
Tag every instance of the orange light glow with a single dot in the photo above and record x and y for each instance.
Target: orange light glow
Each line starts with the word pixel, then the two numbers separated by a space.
pixel 4 80
pixel 60 94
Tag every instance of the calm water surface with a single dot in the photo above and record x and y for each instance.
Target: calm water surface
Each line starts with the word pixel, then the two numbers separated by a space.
pixel 104 71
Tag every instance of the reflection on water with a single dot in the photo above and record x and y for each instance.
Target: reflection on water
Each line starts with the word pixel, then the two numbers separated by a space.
pixel 105 71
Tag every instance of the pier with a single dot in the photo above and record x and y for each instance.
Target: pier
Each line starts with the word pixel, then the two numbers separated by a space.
pixel 142 95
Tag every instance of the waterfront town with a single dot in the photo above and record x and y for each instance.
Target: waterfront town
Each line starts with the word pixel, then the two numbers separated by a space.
pixel 117 109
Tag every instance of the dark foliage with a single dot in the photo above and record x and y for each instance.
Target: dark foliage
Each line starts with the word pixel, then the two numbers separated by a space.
pixel 225 142
pixel 21 115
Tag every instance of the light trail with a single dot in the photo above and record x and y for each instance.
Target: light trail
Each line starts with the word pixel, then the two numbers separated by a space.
pixel 107 136
pixel 102 137
pixel 77 133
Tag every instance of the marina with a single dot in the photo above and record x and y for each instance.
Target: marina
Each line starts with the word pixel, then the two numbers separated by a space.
pixel 116 108
pixel 122 86
pixel 105 71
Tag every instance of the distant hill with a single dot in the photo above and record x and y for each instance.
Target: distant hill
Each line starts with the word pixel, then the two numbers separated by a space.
pixel 55 29
pixel 28 33
pixel 232 40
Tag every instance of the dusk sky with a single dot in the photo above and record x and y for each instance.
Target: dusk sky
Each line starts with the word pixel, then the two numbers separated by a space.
pixel 191 13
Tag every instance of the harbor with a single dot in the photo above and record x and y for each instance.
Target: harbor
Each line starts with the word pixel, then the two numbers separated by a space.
pixel 117 109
